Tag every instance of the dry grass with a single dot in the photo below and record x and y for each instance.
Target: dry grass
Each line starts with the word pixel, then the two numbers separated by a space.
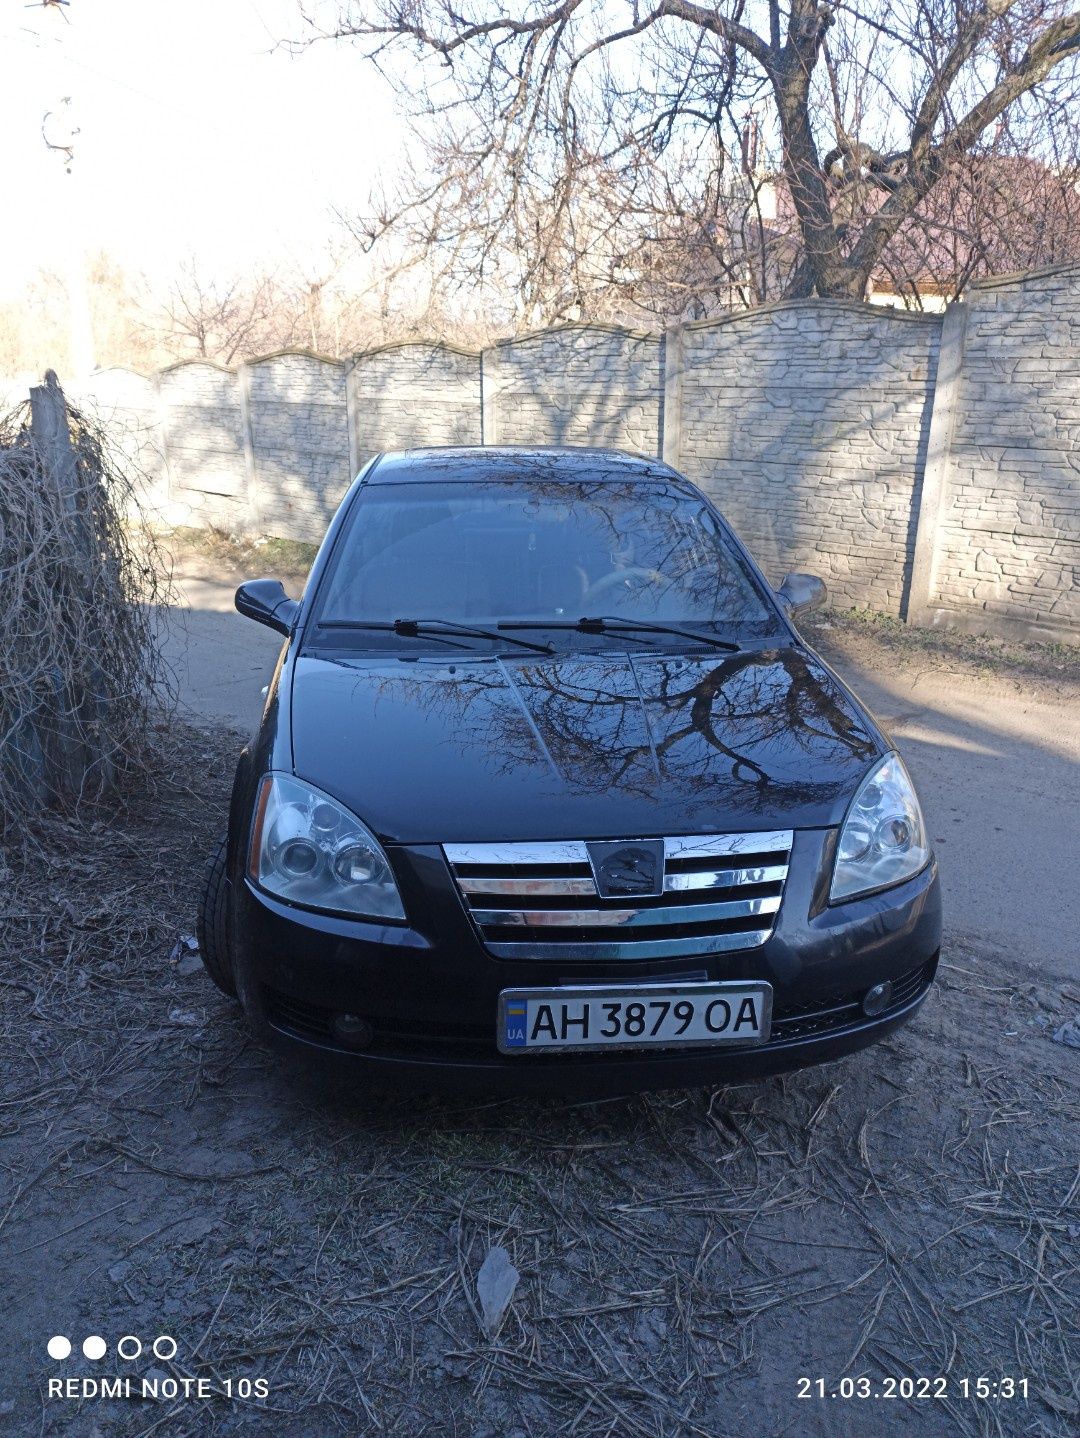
pixel 81 677
pixel 863 633
pixel 240 555
pixel 685 1258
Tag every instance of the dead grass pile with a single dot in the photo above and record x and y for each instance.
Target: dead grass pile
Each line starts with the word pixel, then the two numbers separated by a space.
pixel 80 668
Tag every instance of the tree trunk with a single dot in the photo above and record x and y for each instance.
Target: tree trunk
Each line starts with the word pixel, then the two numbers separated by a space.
pixel 823 269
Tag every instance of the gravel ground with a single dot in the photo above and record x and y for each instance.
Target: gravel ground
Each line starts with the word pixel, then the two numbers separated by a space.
pixel 685 1259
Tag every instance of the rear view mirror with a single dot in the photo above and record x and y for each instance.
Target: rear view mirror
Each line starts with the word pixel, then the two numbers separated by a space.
pixel 265 601
pixel 800 593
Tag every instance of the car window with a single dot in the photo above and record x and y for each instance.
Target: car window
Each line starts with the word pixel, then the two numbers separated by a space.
pixel 493 551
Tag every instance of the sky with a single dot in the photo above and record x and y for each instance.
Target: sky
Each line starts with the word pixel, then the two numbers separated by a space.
pixel 199 134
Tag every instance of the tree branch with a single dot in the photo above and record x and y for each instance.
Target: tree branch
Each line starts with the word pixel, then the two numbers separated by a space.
pixel 710 20
pixel 1051 47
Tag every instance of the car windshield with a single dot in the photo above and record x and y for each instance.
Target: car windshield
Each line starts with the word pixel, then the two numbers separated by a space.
pixel 515 551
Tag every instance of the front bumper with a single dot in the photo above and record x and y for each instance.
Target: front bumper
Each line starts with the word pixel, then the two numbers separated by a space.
pixel 430 992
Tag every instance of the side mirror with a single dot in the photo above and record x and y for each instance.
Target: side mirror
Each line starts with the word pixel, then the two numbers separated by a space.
pixel 265 601
pixel 800 593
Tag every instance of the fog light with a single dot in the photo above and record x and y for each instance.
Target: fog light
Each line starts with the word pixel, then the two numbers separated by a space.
pixel 877 1000
pixel 351 1029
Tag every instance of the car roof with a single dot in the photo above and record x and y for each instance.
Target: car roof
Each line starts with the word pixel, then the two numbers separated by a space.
pixel 572 463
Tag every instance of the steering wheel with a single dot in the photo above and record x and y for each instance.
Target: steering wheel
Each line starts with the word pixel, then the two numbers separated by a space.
pixel 619 576
pixel 686 580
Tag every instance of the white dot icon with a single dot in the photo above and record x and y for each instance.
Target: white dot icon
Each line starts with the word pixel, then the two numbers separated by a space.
pixel 58 1347
pixel 94 1347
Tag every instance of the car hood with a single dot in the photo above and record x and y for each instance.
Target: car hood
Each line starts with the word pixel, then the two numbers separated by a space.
pixel 587 745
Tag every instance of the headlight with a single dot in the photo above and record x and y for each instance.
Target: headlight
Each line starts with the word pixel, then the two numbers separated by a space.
pixel 308 848
pixel 883 837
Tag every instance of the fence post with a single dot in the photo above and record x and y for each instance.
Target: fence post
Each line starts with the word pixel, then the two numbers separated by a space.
pixel 162 413
pixel 253 517
pixel 52 439
pixel 352 415
pixel 489 397
pixel 66 756
pixel 938 444
pixel 671 437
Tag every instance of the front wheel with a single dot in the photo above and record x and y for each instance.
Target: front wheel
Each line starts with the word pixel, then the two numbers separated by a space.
pixel 212 922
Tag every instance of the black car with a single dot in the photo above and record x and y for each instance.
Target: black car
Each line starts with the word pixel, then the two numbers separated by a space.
pixel 549 793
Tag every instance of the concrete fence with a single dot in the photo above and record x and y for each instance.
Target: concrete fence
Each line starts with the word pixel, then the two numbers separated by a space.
pixel 926 466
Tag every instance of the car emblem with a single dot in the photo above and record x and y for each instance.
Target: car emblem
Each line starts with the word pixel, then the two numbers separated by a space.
pixel 628 870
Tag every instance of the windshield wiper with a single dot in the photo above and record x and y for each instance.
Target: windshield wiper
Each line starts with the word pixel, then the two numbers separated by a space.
pixel 631 627
pixel 417 628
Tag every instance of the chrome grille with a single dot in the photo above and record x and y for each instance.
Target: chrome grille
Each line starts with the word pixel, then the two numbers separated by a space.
pixel 721 892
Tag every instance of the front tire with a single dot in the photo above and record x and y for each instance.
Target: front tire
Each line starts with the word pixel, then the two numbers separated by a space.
pixel 212 922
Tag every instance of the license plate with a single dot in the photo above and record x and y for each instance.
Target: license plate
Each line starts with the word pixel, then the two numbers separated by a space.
pixel 658 1016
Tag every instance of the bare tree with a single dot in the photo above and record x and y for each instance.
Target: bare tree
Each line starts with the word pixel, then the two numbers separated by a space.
pixel 224 319
pixel 35 330
pixel 992 213
pixel 325 304
pixel 574 149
